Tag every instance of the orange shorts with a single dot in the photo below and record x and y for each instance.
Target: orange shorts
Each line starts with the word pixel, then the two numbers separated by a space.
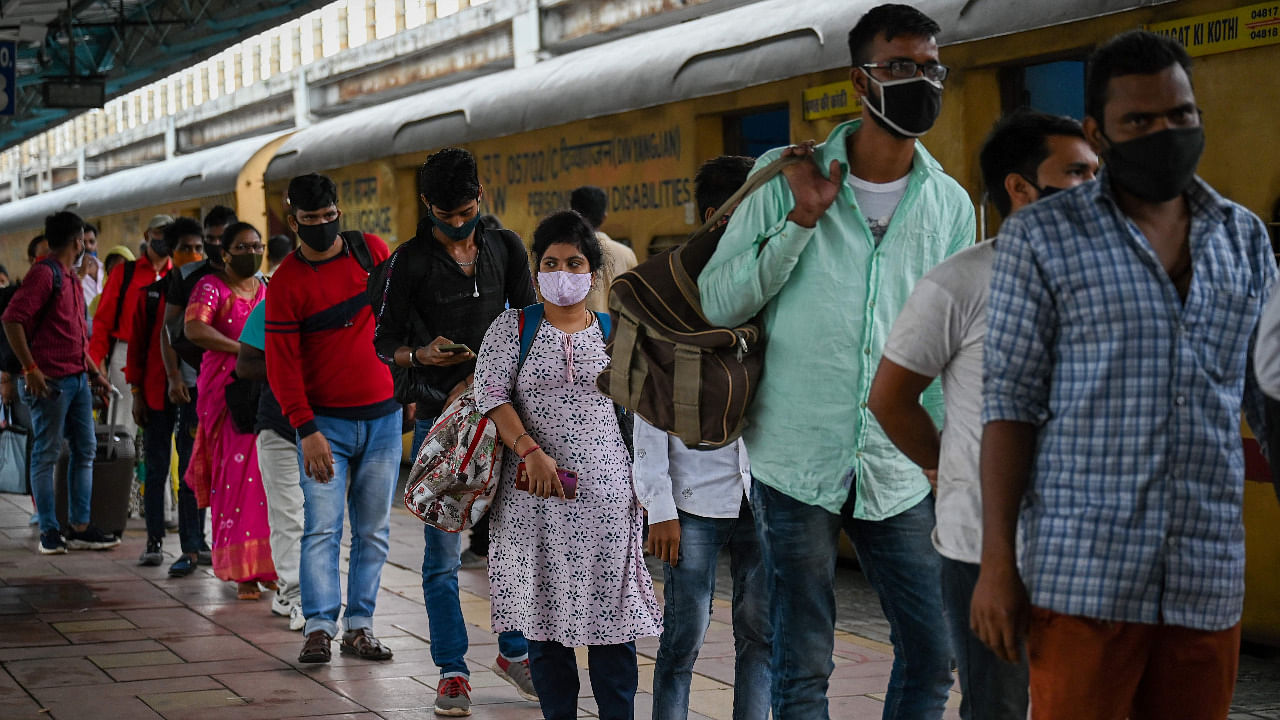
pixel 1085 669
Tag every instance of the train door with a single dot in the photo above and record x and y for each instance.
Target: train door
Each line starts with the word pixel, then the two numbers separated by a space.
pixel 1053 87
pixel 754 131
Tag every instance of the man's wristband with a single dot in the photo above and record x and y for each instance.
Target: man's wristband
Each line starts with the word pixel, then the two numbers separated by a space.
pixel 30 369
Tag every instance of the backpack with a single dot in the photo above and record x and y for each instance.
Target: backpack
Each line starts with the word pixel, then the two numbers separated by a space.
pixel 8 360
pixel 128 268
pixel 669 364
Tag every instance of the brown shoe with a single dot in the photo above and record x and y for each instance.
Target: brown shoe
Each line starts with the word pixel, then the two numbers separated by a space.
pixel 363 644
pixel 316 649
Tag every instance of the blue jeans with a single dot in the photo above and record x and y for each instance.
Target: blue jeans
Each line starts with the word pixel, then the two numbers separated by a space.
pixel 366 466
pixel 688 589
pixel 991 688
pixel 612 669
pixel 191 519
pixel 440 565
pixel 799 544
pixel 69 415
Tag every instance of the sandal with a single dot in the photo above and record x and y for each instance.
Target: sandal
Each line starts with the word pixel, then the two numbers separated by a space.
pixel 316 649
pixel 248 591
pixel 363 644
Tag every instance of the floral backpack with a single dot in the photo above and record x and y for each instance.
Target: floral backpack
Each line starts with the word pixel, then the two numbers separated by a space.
pixel 454 476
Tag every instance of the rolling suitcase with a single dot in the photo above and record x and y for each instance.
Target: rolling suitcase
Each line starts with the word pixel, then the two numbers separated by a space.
pixel 113 468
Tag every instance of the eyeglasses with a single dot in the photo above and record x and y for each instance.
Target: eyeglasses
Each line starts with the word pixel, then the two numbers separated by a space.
pixel 905 69
pixel 242 248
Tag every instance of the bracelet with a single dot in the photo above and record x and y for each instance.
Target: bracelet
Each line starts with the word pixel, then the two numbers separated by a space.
pixel 515 444
pixel 413 359
pixel 30 368
pixel 530 451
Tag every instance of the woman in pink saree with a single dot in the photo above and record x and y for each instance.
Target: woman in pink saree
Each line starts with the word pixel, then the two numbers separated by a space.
pixel 224 465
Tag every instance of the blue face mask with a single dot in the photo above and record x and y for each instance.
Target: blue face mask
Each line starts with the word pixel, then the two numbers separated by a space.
pixel 451 232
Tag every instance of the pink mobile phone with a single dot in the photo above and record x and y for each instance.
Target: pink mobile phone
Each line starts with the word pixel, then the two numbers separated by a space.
pixel 568 480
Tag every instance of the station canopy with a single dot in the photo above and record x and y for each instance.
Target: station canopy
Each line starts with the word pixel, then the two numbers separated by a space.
pixel 72 55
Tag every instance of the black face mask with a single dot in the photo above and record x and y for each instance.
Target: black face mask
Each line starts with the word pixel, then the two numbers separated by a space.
pixel 319 237
pixel 1157 167
pixel 159 247
pixel 244 265
pixel 1045 191
pixel 906 108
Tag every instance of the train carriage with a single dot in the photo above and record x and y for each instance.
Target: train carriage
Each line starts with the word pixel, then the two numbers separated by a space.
pixel 637 116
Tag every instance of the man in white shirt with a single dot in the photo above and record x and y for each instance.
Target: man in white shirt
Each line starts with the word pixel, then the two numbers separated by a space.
pixel 697 506
pixel 592 203
pixel 940 332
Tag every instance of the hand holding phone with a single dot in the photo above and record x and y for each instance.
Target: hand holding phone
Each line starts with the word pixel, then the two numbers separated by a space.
pixel 568 481
pixel 454 348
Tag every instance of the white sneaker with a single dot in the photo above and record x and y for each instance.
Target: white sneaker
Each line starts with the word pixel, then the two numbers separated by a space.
pixel 296 620
pixel 280 605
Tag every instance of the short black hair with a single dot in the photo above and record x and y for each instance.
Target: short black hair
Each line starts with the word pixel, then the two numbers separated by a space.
pixel 31 246
pixel 591 203
pixel 312 191
pixel 1137 52
pixel 220 215
pixel 569 227
pixel 61 227
pixel 1018 143
pixel 892 20
pixel 448 179
pixel 718 179
pixel 90 228
pixel 235 229
pixel 181 227
pixel 278 247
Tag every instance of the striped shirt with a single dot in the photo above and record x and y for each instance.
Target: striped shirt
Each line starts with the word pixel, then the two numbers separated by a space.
pixel 1133 511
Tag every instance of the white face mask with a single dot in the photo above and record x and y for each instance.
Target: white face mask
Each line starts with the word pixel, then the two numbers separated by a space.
pixel 564 288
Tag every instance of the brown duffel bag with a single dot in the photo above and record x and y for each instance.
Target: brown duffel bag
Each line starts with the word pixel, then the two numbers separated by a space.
pixel 669 364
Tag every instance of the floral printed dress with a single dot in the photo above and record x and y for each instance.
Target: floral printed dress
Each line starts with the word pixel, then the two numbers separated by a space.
pixel 571 571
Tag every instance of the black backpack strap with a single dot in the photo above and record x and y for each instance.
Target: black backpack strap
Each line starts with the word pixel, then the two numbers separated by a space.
pixel 359 249
pixel 129 268
pixel 56 269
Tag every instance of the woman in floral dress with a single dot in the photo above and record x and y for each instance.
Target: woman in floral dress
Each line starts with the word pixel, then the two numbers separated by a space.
pixel 223 471
pixel 565 572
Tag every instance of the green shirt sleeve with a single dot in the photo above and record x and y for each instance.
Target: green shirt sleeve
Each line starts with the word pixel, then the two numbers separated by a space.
pixel 254 333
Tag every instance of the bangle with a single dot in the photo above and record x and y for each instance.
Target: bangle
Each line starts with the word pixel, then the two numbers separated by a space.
pixel 413 358
pixel 515 444
pixel 530 451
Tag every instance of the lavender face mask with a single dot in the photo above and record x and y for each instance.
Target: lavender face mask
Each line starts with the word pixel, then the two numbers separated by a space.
pixel 564 288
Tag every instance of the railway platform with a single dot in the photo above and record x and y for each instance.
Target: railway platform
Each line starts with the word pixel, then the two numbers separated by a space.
pixel 92 635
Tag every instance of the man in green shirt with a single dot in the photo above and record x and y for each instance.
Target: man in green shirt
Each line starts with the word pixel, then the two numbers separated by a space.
pixel 829 255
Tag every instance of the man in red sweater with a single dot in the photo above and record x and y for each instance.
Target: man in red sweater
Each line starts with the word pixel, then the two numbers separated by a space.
pixel 338 395
pixel 113 320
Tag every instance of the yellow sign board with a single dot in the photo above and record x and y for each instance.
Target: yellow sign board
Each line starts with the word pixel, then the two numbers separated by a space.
pixel 1246 27
pixel 831 100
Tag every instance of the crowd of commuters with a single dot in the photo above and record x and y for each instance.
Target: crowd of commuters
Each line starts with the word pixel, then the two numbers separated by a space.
pixel 1070 541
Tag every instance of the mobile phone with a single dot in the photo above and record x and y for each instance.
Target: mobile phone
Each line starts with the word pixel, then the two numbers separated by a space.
pixel 453 348
pixel 568 480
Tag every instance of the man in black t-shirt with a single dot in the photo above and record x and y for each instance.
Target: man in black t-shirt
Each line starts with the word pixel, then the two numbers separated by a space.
pixel 445 286
pixel 182 377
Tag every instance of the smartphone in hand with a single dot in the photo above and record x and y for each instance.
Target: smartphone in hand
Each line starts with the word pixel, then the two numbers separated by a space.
pixel 454 348
pixel 568 480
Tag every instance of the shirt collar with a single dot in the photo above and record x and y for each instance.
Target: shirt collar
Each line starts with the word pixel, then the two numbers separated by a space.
pixel 836 148
pixel 1202 199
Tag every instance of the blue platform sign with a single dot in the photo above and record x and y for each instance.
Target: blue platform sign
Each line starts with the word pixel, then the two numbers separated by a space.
pixel 8 77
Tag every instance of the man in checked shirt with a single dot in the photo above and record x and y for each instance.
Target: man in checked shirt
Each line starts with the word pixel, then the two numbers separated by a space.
pixel 1122 315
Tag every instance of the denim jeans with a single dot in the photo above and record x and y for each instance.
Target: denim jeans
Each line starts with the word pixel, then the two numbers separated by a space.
pixel 613 673
pixel 69 415
pixel 688 589
pixel 447 627
pixel 991 688
pixel 799 543
pixel 191 518
pixel 366 465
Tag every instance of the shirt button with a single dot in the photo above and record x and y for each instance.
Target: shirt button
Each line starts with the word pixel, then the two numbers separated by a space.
pixel 1172 542
pixel 858 454
pixel 871 304
pixel 862 405
pixel 1180 400
pixel 867 351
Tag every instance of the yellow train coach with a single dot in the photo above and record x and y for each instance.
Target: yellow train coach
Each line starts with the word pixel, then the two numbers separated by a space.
pixel 636 116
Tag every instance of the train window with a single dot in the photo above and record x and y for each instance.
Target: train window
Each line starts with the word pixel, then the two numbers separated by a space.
pixel 1053 87
pixel 752 133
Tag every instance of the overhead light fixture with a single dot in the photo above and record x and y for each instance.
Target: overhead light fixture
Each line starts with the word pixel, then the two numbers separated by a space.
pixel 74 93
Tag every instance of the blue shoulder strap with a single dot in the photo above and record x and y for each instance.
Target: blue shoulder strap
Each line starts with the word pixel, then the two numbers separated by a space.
pixel 531 320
